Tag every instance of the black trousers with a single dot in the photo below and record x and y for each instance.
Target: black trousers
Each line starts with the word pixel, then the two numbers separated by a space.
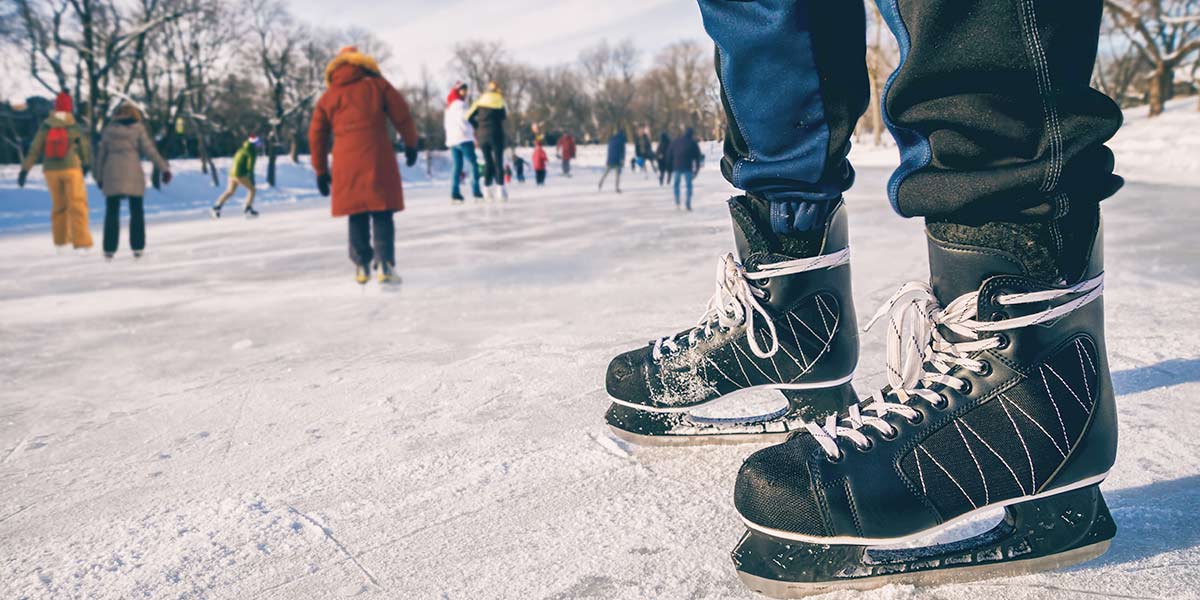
pixel 361 250
pixel 112 224
pixel 540 175
pixel 990 104
pixel 493 162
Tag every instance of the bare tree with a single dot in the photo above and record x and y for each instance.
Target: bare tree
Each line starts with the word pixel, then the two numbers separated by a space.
pixel 1165 33
pixel 609 73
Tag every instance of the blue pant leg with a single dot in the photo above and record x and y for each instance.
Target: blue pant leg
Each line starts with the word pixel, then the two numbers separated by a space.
pixel 793 85
pixel 691 176
pixel 678 174
pixel 468 149
pixel 457 154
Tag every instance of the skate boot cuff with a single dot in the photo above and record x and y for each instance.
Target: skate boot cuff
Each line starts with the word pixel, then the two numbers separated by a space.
pixel 1050 250
pixel 753 220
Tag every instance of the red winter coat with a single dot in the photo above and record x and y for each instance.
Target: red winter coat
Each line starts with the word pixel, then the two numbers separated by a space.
pixel 355 110
pixel 566 147
pixel 539 158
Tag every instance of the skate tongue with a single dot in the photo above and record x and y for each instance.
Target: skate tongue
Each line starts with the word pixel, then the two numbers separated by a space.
pixel 752 232
pixel 956 269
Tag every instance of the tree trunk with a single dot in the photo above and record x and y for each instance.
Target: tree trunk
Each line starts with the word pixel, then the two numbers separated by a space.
pixel 1162 84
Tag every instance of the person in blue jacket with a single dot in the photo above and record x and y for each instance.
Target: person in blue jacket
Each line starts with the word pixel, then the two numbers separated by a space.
pixel 616 159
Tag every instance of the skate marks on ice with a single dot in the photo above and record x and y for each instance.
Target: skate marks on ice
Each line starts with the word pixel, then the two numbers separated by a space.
pixel 1165 373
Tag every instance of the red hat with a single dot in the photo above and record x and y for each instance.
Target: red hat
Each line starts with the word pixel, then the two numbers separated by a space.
pixel 62 102
pixel 456 93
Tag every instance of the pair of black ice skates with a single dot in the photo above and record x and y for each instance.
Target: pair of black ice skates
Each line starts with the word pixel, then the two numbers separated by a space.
pixel 999 395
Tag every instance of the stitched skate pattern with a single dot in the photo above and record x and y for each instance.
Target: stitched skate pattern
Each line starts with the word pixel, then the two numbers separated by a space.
pixel 1010 445
pixel 704 371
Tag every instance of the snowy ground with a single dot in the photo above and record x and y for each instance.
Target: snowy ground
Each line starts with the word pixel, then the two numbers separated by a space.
pixel 232 417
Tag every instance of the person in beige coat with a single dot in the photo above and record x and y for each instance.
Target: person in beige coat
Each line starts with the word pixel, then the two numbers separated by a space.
pixel 123 145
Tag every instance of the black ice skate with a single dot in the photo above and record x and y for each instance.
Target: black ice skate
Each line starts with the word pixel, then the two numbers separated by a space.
pixel 999 396
pixel 804 343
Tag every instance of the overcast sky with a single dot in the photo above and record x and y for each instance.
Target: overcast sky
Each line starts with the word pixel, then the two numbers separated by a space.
pixel 541 32
pixel 422 32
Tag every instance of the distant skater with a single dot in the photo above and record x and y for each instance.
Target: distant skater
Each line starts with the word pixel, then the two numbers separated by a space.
pixel 123 144
pixel 685 159
pixel 241 173
pixel 488 114
pixel 62 148
pixel 365 180
pixel 539 161
pixel 460 139
pixel 664 163
pixel 565 150
pixel 616 159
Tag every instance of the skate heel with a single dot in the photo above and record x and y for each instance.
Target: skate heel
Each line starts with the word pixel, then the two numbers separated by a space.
pixel 1036 535
pixel 814 404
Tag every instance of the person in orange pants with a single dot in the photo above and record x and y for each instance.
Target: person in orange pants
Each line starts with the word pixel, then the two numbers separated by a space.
pixel 63 150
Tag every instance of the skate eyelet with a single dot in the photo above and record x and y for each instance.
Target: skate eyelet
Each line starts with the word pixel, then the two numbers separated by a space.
pixel 999 316
pixel 895 433
pixel 866 447
pixel 833 460
pixel 1003 341
pixel 766 295
pixel 965 388
pixel 985 368
pixel 943 404
pixel 914 420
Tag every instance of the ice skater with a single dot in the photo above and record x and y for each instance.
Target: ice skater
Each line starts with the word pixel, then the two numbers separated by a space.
pixel 685 160
pixel 487 115
pixel 241 174
pixel 63 149
pixel 460 139
pixel 365 182
pixel 662 157
pixel 540 161
pixel 615 159
pixel 999 393
pixel 123 144
pixel 565 151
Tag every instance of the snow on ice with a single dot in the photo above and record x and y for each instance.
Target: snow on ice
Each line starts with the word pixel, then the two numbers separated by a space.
pixel 446 440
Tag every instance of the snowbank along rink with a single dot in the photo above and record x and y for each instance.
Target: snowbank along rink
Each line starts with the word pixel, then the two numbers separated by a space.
pixel 232 417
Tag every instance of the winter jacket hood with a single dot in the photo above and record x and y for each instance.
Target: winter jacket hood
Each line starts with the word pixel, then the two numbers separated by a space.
pixel 684 153
pixel 78 151
pixel 487 114
pixel 123 145
pixel 616 149
pixel 244 159
pixel 355 111
pixel 454 120
pixel 361 65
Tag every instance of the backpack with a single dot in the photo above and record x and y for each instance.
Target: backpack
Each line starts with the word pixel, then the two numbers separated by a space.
pixel 58 143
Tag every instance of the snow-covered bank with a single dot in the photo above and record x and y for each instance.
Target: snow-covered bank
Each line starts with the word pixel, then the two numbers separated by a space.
pixel 232 417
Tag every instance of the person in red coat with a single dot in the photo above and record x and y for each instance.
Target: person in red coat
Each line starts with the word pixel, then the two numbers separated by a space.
pixel 540 161
pixel 566 151
pixel 365 180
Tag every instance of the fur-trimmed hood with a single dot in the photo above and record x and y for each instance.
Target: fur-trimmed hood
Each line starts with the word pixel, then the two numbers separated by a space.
pixel 351 56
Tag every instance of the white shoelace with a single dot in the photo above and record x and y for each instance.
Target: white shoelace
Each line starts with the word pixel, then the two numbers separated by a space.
pixel 919 356
pixel 736 300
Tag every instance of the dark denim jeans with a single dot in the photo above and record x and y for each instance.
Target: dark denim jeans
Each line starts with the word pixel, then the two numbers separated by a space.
pixel 112 224
pixel 465 153
pixel 686 177
pixel 990 105
pixel 361 226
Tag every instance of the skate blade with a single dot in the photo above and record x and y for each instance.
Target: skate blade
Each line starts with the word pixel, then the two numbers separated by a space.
pixel 719 439
pixel 963 574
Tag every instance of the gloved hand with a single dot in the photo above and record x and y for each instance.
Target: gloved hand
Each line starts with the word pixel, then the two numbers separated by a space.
pixel 21 178
pixel 410 156
pixel 166 177
pixel 323 181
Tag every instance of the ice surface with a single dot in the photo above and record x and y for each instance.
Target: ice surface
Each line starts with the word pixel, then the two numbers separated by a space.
pixel 446 439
